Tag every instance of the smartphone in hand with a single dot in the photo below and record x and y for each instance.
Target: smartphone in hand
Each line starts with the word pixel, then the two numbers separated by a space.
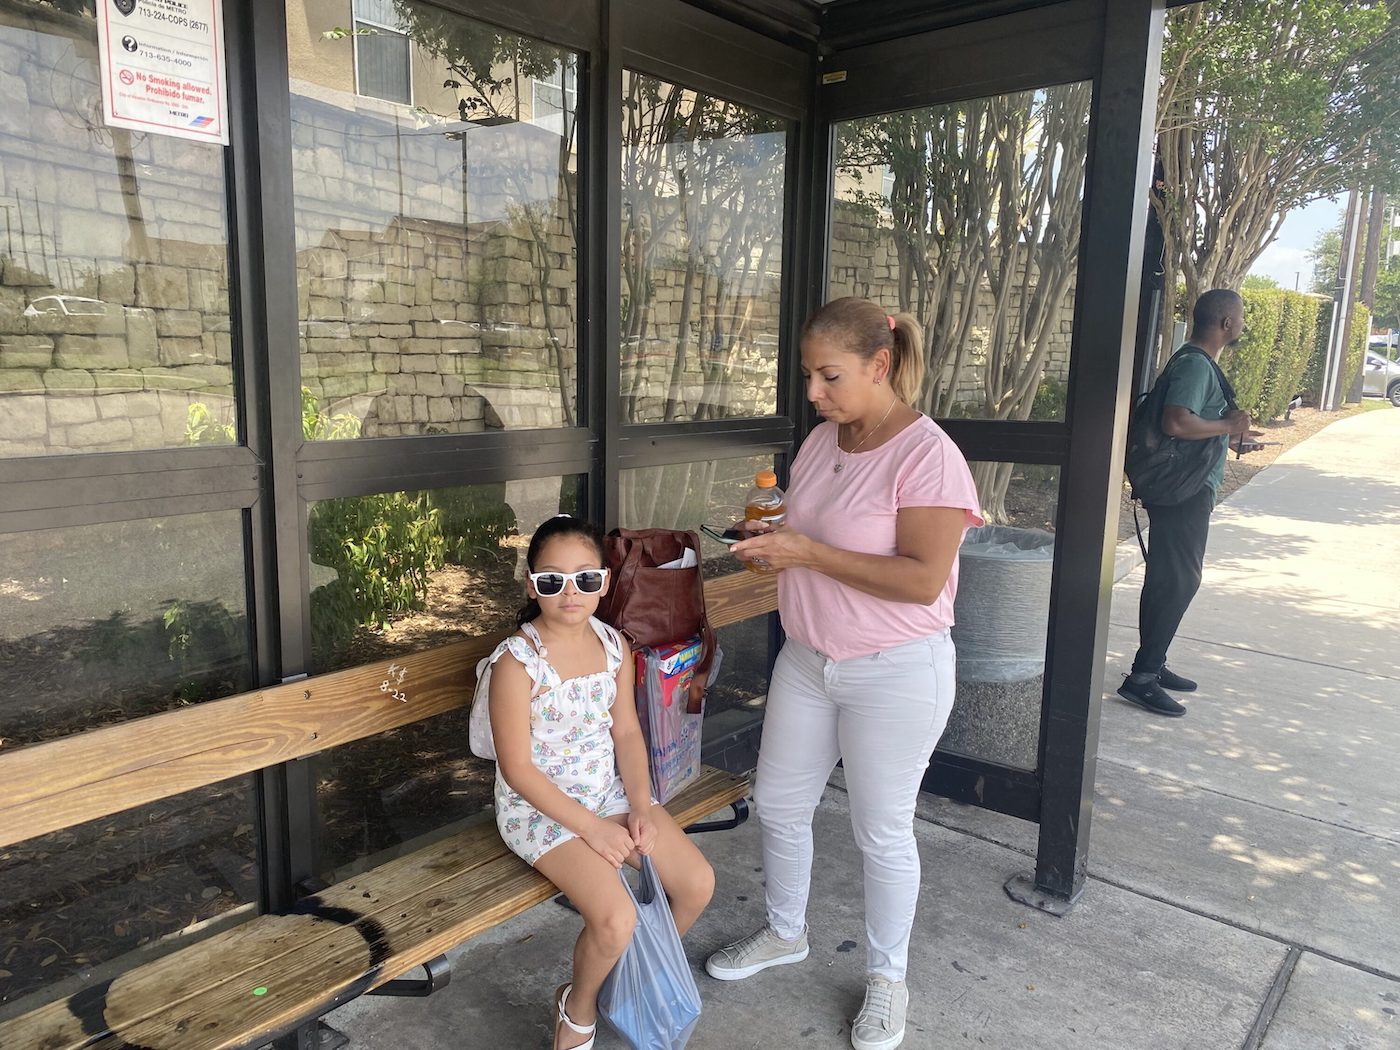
pixel 727 536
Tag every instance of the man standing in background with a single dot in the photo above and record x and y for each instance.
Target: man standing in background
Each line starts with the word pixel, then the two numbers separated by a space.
pixel 1196 408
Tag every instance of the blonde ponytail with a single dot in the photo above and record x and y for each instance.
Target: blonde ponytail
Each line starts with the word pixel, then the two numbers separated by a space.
pixel 906 358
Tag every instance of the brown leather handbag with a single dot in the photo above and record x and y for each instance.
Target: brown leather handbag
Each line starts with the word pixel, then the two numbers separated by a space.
pixel 653 606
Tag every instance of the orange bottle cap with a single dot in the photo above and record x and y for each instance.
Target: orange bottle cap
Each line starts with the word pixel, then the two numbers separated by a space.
pixel 765 479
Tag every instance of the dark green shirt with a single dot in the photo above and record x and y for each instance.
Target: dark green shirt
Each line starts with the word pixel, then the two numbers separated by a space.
pixel 1194 386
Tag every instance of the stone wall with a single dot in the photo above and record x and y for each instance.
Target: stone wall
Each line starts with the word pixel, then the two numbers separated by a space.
pixel 863 262
pixel 134 222
pixel 438 275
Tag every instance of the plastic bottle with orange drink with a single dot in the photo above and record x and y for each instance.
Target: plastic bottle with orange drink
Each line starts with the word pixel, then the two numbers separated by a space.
pixel 766 503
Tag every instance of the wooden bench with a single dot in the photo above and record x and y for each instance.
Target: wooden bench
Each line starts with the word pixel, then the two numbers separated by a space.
pixel 277 972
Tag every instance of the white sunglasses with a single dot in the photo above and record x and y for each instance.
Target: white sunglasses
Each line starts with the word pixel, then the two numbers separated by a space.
pixel 585 581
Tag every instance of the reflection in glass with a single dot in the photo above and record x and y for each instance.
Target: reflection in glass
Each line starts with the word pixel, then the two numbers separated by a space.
pixel 106 623
pixel 114 290
pixel 400 572
pixel 1002 616
pixel 968 216
pixel 702 209
pixel 436 244
pixel 76 901
pixel 682 496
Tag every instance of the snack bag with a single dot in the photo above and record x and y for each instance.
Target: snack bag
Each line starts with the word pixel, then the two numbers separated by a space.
pixel 664 675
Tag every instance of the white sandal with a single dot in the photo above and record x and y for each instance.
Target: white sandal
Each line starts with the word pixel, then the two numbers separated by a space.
pixel 589 1030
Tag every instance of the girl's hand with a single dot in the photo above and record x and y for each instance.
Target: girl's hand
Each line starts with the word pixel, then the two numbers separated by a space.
pixel 642 829
pixel 781 548
pixel 610 841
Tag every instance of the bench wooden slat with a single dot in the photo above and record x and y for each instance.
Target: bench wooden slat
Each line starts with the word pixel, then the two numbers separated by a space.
pixel 740 596
pixel 89 775
pixel 259 945
pixel 201 998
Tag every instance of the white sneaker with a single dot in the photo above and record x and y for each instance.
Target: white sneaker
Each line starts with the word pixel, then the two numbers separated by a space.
pixel 756 952
pixel 880 1023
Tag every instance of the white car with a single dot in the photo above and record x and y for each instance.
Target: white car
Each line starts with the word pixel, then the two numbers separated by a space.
pixel 1380 377
pixel 67 305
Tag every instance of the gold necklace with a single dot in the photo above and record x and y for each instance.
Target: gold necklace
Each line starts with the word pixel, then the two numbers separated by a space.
pixel 841 463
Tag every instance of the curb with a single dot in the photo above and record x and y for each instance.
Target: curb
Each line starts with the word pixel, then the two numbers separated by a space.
pixel 1127 555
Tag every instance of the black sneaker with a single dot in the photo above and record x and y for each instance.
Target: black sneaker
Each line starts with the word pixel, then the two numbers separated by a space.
pixel 1150 696
pixel 1169 679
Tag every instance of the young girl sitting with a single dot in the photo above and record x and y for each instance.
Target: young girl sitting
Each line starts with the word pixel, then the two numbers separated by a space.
pixel 572 787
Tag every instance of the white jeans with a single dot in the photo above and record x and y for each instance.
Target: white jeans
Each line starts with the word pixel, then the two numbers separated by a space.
pixel 882 716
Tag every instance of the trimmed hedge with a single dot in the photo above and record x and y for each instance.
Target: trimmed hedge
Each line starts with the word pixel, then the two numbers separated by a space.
pixel 1293 352
pixel 1271 363
pixel 1322 331
pixel 1356 349
pixel 1248 364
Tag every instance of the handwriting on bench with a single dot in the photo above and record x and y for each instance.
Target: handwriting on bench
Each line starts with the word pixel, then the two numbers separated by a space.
pixel 396 676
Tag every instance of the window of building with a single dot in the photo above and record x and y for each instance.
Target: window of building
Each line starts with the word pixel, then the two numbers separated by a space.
pixel 381 52
pixel 554 97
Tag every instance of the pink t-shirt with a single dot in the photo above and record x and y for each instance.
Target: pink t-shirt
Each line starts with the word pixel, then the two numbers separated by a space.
pixel 855 511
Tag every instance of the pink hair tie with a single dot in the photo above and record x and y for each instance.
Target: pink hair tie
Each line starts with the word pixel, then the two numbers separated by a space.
pixel 890 319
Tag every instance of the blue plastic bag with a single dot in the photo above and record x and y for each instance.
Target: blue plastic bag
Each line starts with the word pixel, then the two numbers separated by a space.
pixel 650 998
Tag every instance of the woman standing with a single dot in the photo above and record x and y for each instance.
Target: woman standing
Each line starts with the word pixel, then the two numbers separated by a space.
pixel 877 504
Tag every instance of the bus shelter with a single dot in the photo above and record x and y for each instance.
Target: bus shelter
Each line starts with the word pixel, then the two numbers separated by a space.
pixel 293 404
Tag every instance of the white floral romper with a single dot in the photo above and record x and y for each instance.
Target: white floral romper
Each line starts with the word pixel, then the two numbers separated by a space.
pixel 571 741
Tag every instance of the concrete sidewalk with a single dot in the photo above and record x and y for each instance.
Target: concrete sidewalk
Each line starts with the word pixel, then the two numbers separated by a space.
pixel 1245 869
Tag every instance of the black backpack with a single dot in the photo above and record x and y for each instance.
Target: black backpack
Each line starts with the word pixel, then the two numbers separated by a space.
pixel 1164 470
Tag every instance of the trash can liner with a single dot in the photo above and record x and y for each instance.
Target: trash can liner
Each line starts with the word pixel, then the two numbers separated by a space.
pixel 1003 603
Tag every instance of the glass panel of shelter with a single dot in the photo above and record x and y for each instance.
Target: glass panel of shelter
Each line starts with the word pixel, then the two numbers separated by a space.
pixel 426 568
pixel 702 254
pixel 114 300
pixel 436 241
pixel 968 215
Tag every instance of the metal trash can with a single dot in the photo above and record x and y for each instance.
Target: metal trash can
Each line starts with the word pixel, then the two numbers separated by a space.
pixel 1002 609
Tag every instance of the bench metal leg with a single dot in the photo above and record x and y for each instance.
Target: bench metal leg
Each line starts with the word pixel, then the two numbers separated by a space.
pixel 741 814
pixel 438 975
pixel 314 1035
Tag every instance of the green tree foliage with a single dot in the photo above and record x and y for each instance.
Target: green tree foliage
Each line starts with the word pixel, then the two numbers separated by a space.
pixel 1324 256
pixel 1386 304
pixel 1260 282
pixel 1356 350
pixel 1292 351
pixel 1265 106
pixel 1322 332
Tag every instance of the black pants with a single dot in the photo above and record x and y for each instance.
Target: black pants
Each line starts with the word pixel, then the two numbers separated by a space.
pixel 1176 550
